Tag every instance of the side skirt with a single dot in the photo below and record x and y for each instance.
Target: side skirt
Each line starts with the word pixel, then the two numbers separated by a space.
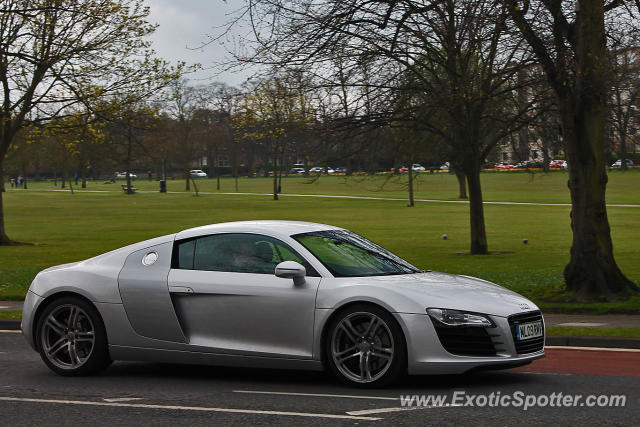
pixel 176 356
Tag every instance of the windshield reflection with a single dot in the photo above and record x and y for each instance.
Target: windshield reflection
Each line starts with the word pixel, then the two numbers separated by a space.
pixel 347 254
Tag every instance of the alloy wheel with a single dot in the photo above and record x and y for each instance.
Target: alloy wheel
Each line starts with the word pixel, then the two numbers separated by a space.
pixel 362 347
pixel 67 337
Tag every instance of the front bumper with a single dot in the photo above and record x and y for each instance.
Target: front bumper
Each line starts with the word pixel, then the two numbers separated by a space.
pixel 31 303
pixel 427 356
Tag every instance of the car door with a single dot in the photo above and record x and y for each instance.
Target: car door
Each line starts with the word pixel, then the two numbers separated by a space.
pixel 228 299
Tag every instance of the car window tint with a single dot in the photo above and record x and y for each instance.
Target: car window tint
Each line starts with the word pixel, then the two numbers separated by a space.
pixel 239 253
pixel 185 254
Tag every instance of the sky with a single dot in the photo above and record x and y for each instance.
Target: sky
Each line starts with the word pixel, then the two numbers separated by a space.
pixel 183 28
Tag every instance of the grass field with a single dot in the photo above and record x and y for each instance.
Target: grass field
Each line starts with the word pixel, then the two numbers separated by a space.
pixel 521 186
pixel 68 227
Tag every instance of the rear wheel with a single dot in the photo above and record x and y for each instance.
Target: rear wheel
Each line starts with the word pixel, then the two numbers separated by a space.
pixel 71 338
pixel 365 347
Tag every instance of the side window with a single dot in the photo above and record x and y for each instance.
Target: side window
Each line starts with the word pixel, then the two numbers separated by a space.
pixel 185 254
pixel 285 253
pixel 236 252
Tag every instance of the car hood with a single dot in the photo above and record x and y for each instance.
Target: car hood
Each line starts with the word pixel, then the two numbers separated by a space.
pixel 441 290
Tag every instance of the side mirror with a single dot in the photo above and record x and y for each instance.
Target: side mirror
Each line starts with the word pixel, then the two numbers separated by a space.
pixel 291 270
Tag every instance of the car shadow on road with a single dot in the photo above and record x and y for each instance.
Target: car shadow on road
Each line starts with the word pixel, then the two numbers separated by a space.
pixel 293 378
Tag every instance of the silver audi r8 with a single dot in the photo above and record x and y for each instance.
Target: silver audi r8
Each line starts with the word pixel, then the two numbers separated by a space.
pixel 278 294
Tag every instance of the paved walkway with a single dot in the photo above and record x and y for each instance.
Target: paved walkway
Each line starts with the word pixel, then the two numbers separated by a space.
pixel 603 321
pixel 11 305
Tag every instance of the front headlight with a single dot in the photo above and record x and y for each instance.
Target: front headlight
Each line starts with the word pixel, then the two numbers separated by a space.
pixel 459 318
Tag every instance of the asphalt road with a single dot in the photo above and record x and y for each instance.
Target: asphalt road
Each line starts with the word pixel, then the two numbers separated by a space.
pixel 161 394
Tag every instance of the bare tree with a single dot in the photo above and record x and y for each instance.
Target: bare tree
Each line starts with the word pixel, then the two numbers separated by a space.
pixel 570 43
pixel 182 107
pixel 461 55
pixel 624 100
pixel 56 54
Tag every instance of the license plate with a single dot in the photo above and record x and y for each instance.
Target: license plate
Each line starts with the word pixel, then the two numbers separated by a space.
pixel 526 331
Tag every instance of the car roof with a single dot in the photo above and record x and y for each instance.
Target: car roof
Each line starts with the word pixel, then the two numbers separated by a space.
pixel 271 227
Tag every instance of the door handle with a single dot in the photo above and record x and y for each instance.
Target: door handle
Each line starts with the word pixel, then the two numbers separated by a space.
pixel 180 290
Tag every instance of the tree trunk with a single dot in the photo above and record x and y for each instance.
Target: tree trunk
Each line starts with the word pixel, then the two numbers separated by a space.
pixel 187 180
pixel 4 239
pixel 462 184
pixel 215 167
pixel 410 175
pixel 545 159
pixel 128 171
pixel 235 162
pixel 476 213
pixel 282 165
pixel 592 270
pixel 84 178
pixel 2 187
pixel 275 172
pixel 623 151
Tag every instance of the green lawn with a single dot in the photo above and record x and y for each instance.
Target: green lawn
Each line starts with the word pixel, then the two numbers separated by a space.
pixel 68 227
pixel 519 186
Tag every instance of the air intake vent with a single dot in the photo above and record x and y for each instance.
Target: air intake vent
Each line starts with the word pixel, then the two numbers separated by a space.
pixel 526 346
pixel 465 340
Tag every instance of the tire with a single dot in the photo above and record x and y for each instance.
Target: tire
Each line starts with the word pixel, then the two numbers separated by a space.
pixel 365 347
pixel 71 338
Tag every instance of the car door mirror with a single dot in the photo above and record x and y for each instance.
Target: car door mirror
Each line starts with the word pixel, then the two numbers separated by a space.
pixel 291 270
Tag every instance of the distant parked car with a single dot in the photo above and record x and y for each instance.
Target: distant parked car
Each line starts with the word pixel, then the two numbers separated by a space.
pixel 528 164
pixel 124 175
pixel 503 165
pixel 340 170
pixel 618 163
pixel 319 170
pixel 558 164
pixel 445 166
pixel 197 173
pixel 417 167
pixel 296 171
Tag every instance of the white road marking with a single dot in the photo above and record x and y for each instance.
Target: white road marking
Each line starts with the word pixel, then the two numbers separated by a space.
pixel 122 399
pixel 189 408
pixel 566 347
pixel 347 396
pixel 10 331
pixel 581 324
pixel 333 196
pixel 398 409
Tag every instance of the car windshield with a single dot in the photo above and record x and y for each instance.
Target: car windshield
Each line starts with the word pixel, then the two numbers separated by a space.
pixel 347 254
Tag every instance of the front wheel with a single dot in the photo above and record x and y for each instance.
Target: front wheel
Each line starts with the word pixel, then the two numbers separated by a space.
pixel 71 338
pixel 365 347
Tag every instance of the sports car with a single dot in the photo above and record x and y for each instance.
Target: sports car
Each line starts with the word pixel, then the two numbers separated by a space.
pixel 279 294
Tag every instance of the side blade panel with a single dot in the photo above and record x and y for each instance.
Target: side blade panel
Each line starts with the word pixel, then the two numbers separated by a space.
pixel 145 293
